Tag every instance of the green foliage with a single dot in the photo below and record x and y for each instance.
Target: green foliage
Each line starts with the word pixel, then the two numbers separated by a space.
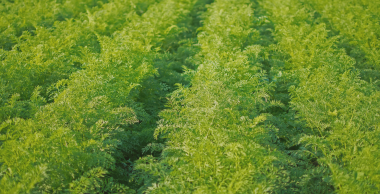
pixel 178 96
pixel 358 24
pixel 93 182
pixel 49 53
pixel 87 130
pixel 338 109
pixel 20 16
pixel 218 137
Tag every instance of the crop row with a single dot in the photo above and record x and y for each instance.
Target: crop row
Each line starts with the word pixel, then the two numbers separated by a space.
pixel 309 123
pixel 45 54
pixel 273 96
pixel 338 109
pixel 219 139
pixel 357 23
pixel 72 143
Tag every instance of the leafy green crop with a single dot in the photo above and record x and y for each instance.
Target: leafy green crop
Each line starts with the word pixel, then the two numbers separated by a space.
pixel 340 111
pixel 219 140
pixel 47 54
pixel 189 96
pixel 85 132
pixel 358 24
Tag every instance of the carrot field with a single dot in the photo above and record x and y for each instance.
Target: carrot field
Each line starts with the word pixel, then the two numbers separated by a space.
pixel 190 96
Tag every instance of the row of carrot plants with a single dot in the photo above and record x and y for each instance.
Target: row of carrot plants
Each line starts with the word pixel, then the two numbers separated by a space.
pixel 357 23
pixel 81 141
pixel 273 96
pixel 219 135
pixel 45 54
pixel 240 129
pixel 337 110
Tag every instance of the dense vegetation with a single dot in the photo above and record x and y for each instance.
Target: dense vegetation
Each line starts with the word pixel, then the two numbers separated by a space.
pixel 189 96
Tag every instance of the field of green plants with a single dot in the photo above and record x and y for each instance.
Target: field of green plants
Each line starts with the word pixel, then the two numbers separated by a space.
pixel 190 96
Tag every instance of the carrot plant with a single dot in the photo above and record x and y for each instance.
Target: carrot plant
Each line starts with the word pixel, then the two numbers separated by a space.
pixel 47 54
pixel 358 26
pixel 189 96
pixel 339 110
pixel 73 143
pixel 218 137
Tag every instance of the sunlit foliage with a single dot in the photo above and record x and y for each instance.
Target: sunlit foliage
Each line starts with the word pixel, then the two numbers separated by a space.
pixel 189 96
